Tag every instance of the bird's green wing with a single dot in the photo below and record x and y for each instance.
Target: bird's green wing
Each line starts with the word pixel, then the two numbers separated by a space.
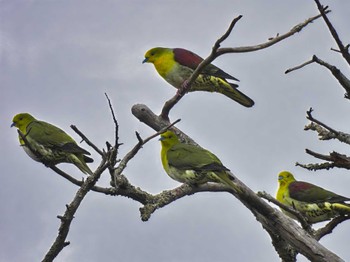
pixel 53 137
pixel 189 157
pixel 306 192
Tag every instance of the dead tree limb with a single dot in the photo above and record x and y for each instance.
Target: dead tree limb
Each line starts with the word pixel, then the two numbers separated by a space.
pixel 272 220
pixel 344 50
pixel 218 51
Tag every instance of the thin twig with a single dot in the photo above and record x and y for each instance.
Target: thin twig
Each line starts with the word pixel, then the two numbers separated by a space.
pixel 296 213
pixel 116 144
pixel 327 229
pixel 67 218
pixel 318 166
pixel 216 52
pixel 342 79
pixel 342 48
pixel 334 160
pixel 311 118
pixel 161 131
pixel 76 130
pixel 325 134
pixel 173 101
pixel 272 41
pixel 107 191
pixel 299 66
pixel 123 163
pixel 335 50
pixel 318 155
pixel 226 34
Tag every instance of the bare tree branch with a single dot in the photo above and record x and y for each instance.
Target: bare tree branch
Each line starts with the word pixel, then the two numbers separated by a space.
pixel 107 191
pixel 288 238
pixel 86 140
pixel 334 160
pixel 314 167
pixel 299 66
pixel 272 41
pixel 171 102
pixel 324 131
pixel 311 118
pixel 122 165
pixel 302 219
pixel 271 219
pixel 342 79
pixel 116 125
pixel 217 51
pixel 318 155
pixel 327 229
pixel 343 49
pixel 168 196
pixel 66 219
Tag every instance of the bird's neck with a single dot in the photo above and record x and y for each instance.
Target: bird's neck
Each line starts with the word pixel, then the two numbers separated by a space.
pixel 164 64
pixel 164 158
pixel 282 190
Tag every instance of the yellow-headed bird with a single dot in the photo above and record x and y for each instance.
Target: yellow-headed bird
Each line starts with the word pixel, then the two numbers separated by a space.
pixel 191 164
pixel 176 65
pixel 50 143
pixel 315 203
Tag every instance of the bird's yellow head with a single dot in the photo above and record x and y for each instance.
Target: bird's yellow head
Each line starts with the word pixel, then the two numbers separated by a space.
pixel 168 139
pixel 285 178
pixel 154 54
pixel 21 121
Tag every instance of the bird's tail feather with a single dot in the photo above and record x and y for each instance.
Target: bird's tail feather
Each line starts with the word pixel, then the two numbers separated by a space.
pixel 79 162
pixel 341 208
pixel 88 159
pixel 226 179
pixel 219 85
pixel 237 96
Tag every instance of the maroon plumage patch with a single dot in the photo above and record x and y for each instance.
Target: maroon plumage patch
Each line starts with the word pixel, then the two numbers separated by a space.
pixel 187 58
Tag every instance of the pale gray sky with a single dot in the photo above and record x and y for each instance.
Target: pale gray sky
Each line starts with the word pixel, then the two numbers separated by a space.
pixel 57 58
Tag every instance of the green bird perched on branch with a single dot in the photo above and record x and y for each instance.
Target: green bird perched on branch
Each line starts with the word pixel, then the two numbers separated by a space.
pixel 314 202
pixel 191 164
pixel 176 65
pixel 51 145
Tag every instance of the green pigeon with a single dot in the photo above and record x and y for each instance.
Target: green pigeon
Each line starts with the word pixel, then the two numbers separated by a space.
pixel 176 65
pixel 50 143
pixel 191 164
pixel 314 202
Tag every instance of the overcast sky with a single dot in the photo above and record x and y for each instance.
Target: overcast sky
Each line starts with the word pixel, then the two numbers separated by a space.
pixel 58 58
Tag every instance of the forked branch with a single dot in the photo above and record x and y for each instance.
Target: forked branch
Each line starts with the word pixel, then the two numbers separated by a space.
pixel 217 51
pixel 325 132
pixel 344 50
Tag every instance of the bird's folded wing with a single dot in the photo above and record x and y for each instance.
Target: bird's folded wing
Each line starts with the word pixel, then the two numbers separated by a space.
pixel 189 157
pixel 306 192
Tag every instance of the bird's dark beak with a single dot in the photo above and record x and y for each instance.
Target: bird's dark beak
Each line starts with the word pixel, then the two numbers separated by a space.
pixel 13 124
pixel 161 138
pixel 145 60
pixel 280 177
